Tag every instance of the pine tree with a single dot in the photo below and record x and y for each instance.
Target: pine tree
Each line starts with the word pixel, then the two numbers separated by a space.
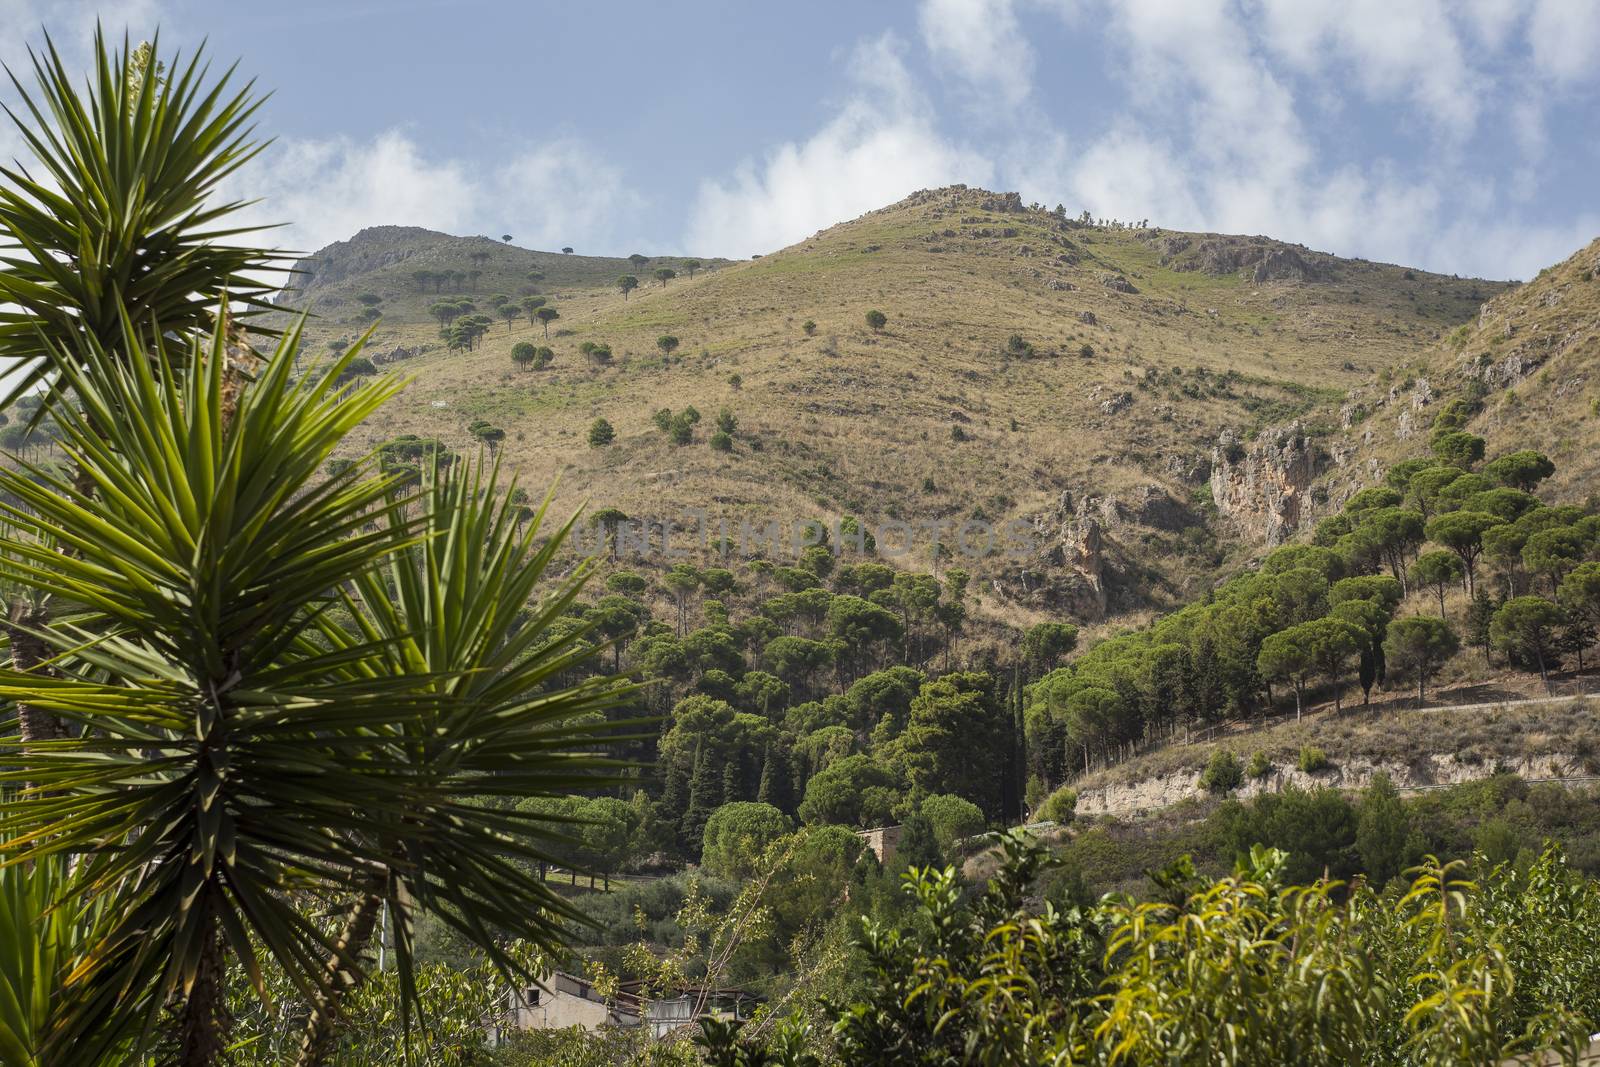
pixel 1382 831
pixel 732 782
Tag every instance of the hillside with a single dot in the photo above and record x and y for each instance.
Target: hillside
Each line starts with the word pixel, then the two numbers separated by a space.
pixel 385 260
pixel 1521 373
pixel 1035 368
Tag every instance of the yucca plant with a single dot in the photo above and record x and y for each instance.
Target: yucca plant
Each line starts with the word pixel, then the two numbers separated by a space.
pixel 112 220
pixel 41 936
pixel 110 226
pixel 448 612
pixel 236 762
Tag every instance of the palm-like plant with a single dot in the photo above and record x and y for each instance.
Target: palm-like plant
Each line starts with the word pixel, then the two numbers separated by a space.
pixel 116 223
pixel 237 759
pixel 40 939
pixel 448 612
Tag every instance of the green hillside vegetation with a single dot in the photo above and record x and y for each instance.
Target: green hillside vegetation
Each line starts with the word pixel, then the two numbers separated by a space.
pixel 1520 373
pixel 1449 564
pixel 323 728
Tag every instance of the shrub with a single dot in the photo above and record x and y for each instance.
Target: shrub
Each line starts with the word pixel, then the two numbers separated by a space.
pixel 1060 806
pixel 680 428
pixel 877 320
pixel 1312 759
pixel 1223 773
pixel 953 818
pixel 663 419
pixel 1260 766
pixel 601 433
pixel 809 327
pixel 721 442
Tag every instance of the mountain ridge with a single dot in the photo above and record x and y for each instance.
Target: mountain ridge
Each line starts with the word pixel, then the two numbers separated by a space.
pixel 1075 377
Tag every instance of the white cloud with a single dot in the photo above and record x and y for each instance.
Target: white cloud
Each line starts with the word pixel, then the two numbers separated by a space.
pixel 1565 37
pixel 981 41
pixel 71 25
pixel 1394 49
pixel 549 195
pixel 881 145
pixel 1209 134
pixel 1492 20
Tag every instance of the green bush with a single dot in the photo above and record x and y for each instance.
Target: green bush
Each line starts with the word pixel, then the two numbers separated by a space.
pixel 1312 759
pixel 1060 806
pixel 953 818
pixel 1223 774
pixel 1260 766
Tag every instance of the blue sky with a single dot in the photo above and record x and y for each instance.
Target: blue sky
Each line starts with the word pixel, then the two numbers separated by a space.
pixel 1462 137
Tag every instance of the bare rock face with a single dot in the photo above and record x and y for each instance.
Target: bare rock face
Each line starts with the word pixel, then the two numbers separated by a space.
pixel 1506 372
pixel 1256 258
pixel 1118 403
pixel 1068 576
pixel 1263 488
pixel 1153 506
pixel 1007 202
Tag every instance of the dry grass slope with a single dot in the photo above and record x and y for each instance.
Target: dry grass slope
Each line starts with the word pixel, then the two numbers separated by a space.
pixel 1528 359
pixel 1141 347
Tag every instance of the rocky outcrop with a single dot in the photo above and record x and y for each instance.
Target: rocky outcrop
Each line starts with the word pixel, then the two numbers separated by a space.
pixel 372 249
pixel 1007 202
pixel 1118 403
pixel 1256 258
pixel 1117 283
pixel 1424 772
pixel 1262 488
pixel 1068 575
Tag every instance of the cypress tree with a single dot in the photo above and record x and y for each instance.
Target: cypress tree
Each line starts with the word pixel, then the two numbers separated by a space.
pixel 1480 613
pixel 675 794
pixel 732 781
pixel 774 787
pixel 1019 748
pixel 918 847
pixel 702 801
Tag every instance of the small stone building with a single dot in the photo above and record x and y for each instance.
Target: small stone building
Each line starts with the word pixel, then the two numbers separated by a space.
pixel 882 840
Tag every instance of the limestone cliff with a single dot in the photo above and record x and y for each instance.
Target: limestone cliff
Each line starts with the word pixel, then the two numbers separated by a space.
pixel 1262 488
